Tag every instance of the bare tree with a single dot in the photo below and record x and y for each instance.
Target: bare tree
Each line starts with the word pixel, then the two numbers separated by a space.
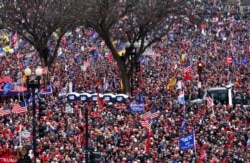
pixel 37 20
pixel 134 21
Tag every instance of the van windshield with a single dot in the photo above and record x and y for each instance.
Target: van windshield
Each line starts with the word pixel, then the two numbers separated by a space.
pixel 219 95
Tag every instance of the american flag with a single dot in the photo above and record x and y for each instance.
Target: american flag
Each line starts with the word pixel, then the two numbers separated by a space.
pixel 4 112
pixel 149 114
pixel 18 56
pixel 15 40
pixel 210 102
pixel 181 98
pixel 146 123
pixel 187 67
pixel 18 109
pixel 87 63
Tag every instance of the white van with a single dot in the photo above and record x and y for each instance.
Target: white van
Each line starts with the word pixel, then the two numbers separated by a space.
pixel 220 94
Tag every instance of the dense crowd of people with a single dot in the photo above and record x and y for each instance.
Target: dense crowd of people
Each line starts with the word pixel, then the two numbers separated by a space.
pixel 222 134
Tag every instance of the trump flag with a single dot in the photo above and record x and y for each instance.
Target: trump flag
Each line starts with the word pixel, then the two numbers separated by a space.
pixel 187 142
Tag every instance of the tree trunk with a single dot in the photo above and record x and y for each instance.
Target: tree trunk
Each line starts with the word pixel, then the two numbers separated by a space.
pixel 126 83
pixel 45 64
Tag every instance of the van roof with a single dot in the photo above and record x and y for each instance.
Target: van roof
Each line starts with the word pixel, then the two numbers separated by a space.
pixel 217 89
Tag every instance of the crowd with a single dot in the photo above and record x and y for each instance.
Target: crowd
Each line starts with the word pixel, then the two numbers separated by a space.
pixel 222 134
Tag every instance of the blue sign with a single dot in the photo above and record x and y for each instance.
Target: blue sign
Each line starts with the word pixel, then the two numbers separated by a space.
pixel 137 107
pixel 73 96
pixel 84 97
pixel 121 97
pixel 108 97
pixel 187 142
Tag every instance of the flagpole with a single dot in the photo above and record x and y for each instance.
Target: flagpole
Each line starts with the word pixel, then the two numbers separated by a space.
pixel 212 107
pixel 194 144
pixel 20 136
pixel 147 147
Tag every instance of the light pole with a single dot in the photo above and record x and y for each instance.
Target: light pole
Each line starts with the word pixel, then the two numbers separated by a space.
pixel 131 51
pixel 34 84
pixel 86 137
pixel 200 68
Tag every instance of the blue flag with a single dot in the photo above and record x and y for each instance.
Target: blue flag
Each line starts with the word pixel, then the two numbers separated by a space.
pixel 181 98
pixel 47 90
pixel 236 62
pixel 22 104
pixel 7 87
pixel 187 142
pixel 168 61
pixel 137 107
pixel 26 62
pixel 244 60
pixel 183 125
pixel 141 59
pixel 95 35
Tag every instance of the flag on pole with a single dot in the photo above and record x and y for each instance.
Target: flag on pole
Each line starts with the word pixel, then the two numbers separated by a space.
pixel 187 67
pixel 181 98
pixel 18 109
pixel 7 87
pixel 15 41
pixel 5 37
pixel 229 60
pixel 47 90
pixel 183 125
pixel 80 113
pixel 4 111
pixel 99 102
pixel 171 83
pixel 18 56
pixel 20 135
pixel 187 141
pixel 210 102
pixel 147 144
pixel 2 53
pixel 150 114
pixel 146 123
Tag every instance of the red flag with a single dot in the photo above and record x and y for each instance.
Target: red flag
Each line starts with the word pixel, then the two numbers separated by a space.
pixel 15 40
pixel 110 57
pixel 99 102
pixel 87 63
pixel 147 143
pixel 64 42
pixel 229 60
pixel 188 76
pixel 18 56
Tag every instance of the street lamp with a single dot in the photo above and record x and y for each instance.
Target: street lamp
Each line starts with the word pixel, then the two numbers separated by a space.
pixel 86 137
pixel 34 84
pixel 131 51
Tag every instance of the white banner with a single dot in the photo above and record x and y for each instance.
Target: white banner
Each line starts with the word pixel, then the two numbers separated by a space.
pixel 25 134
pixel 69 109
